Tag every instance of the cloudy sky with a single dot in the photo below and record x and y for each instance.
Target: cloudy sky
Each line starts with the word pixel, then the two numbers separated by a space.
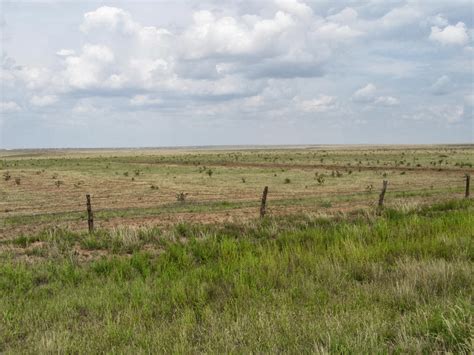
pixel 167 73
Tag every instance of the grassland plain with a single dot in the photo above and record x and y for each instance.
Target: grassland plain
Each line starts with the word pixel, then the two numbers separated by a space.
pixel 323 272
pixel 46 188
pixel 357 282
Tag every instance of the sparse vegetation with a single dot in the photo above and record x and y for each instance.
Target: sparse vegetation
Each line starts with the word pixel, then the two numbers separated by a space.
pixel 181 197
pixel 123 201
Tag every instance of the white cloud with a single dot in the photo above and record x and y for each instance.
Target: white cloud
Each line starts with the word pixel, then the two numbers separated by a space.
pixel 368 94
pixel 444 113
pixel 365 94
pixel 295 7
pixel 65 52
pixel 9 106
pixel 144 100
pixel 342 26
pixel 84 108
pixel 400 16
pixel 33 78
pixel 334 31
pixel 90 69
pixel 450 35
pixel 227 35
pixel 254 101
pixel 148 71
pixel 395 20
pixel 438 20
pixel 346 16
pixel 42 101
pixel 452 114
pixel 323 103
pixel 108 18
pixel 269 62
pixel 387 101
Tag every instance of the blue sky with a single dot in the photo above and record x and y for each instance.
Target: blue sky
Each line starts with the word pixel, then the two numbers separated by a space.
pixel 168 73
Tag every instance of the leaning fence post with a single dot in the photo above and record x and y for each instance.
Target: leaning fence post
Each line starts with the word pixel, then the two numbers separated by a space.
pixel 263 206
pixel 90 216
pixel 382 193
pixel 468 183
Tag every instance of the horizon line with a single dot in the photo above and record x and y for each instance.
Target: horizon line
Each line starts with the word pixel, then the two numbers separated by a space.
pixel 241 146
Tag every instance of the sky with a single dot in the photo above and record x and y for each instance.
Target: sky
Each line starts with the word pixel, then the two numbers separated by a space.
pixel 209 72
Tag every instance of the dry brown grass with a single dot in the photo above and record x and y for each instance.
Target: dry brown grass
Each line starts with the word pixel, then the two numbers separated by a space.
pixel 122 196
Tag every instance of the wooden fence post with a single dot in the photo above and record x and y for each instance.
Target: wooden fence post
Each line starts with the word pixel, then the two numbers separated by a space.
pixel 263 206
pixel 382 193
pixel 90 216
pixel 468 183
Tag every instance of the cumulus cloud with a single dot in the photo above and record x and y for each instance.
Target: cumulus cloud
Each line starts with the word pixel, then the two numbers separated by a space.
pixel 206 55
pixel 347 16
pixel 400 16
pixel 295 7
pixel 108 18
pixel 445 113
pixel 368 94
pixel 65 52
pixel 387 101
pixel 450 35
pixel 265 60
pixel 84 108
pixel 215 55
pixel 145 100
pixel 33 78
pixel 323 103
pixel 90 68
pixel 254 101
pixel 348 24
pixel 210 35
pixel 9 106
pixel 42 101
pixel 438 20
pixel 365 94
pixel 452 114
pixel 335 31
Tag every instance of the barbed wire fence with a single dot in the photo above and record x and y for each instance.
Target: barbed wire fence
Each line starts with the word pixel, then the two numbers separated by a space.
pixel 181 197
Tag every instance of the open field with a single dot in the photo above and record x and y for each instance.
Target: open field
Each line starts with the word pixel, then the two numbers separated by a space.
pixel 401 282
pixel 46 188
pixel 325 271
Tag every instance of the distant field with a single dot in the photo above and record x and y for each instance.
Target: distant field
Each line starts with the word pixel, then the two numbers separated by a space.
pixel 138 187
pixel 324 271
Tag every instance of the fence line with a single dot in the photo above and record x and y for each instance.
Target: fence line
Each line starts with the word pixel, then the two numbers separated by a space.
pixel 263 204
pixel 246 201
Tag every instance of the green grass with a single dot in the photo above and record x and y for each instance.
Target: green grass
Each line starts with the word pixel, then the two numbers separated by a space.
pixel 401 282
